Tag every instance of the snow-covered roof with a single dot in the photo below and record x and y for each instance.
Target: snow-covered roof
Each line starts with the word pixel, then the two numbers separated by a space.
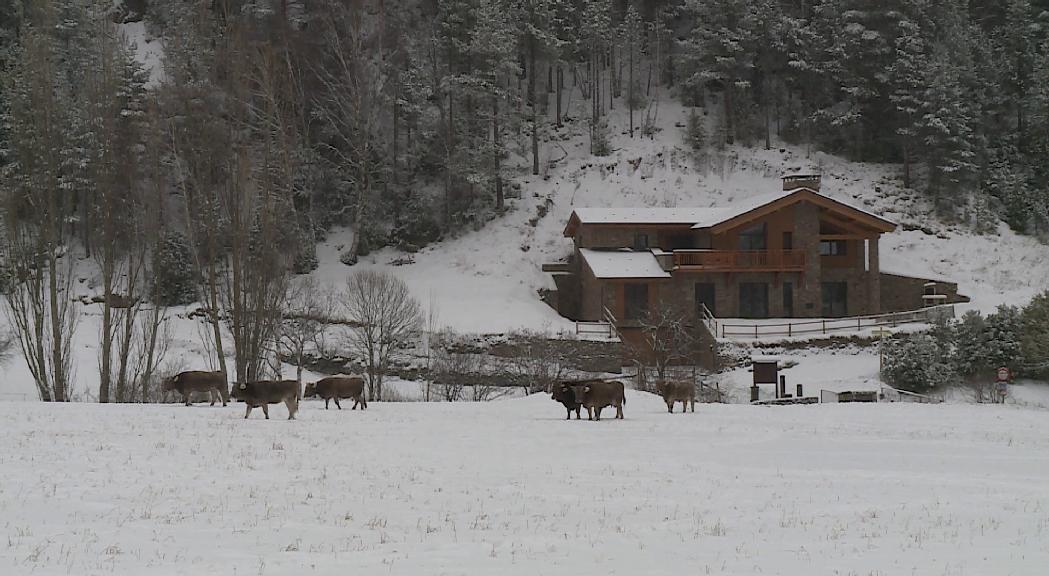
pixel 740 208
pixel 611 264
pixel 652 216
pixel 704 217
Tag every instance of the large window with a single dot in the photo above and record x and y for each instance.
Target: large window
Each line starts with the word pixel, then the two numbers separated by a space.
pixel 835 299
pixel 753 300
pixel 753 238
pixel 635 301
pixel 832 247
pixel 705 296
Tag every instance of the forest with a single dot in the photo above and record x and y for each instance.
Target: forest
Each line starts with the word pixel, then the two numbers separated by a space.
pixel 273 121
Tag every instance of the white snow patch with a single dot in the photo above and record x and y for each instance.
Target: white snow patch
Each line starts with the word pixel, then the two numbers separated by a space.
pixel 511 488
pixel 611 264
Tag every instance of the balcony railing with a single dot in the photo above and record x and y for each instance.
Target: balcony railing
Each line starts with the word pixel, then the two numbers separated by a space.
pixel 740 260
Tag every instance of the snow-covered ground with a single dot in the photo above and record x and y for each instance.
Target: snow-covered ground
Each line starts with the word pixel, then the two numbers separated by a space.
pixel 511 488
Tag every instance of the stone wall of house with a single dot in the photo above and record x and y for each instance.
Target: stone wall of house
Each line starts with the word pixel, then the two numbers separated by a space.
pixel 807 295
pixel 903 293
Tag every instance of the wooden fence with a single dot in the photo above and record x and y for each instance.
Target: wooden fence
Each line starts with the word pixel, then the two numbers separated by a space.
pixel 825 326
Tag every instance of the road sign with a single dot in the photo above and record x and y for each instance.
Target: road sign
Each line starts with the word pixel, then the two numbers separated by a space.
pixel 1003 374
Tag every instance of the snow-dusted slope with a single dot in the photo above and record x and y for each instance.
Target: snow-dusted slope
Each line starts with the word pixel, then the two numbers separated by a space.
pixel 487 280
pixel 511 488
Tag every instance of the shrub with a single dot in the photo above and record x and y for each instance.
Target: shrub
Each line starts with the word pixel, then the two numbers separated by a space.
pixel 916 363
pixel 174 273
pixel 695 132
pixel 600 141
pixel 415 226
pixel 1034 331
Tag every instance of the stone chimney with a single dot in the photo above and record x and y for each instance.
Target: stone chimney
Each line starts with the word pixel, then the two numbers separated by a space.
pixel 795 181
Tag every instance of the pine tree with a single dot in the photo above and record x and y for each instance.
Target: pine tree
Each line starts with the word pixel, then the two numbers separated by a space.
pixel 719 54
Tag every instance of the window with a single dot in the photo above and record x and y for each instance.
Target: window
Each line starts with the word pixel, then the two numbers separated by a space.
pixel 640 241
pixel 788 240
pixel 753 238
pixel 753 300
pixel 635 301
pixel 678 242
pixel 835 299
pixel 788 300
pixel 832 247
pixel 705 296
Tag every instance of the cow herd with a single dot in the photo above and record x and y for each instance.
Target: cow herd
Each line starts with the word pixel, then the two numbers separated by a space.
pixel 262 393
pixel 574 395
pixel 594 395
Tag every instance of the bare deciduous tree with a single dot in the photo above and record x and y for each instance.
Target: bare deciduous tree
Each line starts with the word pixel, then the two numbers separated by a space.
pixel 352 103
pixel 537 361
pixel 669 339
pixel 386 317
pixel 37 208
pixel 308 310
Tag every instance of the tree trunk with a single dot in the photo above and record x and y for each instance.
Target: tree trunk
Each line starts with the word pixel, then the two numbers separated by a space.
pixel 560 86
pixel 495 153
pixel 532 102
pixel 396 133
pixel 630 87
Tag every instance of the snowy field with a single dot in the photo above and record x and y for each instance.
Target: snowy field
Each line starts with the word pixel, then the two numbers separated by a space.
pixel 510 488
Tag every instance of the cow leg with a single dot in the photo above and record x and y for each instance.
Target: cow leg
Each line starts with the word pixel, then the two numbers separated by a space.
pixel 337 405
pixel 356 402
pixel 576 413
pixel 266 410
pixel 693 405
pixel 589 413
pixel 597 410
pixel 670 407
pixel 247 412
pixel 293 407
pixel 224 394
pixel 569 416
pixel 186 398
pixel 619 411
pixel 211 396
pixel 326 402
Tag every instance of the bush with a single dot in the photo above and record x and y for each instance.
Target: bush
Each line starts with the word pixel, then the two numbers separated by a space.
pixel 916 363
pixel 415 226
pixel 1004 328
pixel 1034 331
pixel 695 132
pixel 600 141
pixel 174 273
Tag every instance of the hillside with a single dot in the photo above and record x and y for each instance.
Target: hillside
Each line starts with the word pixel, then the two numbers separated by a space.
pixel 487 280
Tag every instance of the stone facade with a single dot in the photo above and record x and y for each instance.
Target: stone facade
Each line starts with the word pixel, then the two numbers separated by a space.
pixel 798 227
pixel 902 293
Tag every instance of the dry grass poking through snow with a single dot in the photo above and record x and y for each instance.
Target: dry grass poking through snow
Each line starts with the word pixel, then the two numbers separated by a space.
pixel 510 488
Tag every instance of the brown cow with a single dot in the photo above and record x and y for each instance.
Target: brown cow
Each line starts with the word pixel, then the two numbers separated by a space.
pixel 336 387
pixel 672 392
pixel 265 392
pixel 196 381
pixel 562 392
pixel 596 394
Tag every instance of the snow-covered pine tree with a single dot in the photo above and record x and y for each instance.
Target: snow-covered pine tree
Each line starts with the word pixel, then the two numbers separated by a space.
pixel 718 54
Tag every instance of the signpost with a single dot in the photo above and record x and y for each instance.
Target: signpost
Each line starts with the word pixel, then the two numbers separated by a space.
pixel 1002 385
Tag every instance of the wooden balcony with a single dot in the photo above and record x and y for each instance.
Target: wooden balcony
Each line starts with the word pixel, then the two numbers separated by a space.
pixel 740 260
